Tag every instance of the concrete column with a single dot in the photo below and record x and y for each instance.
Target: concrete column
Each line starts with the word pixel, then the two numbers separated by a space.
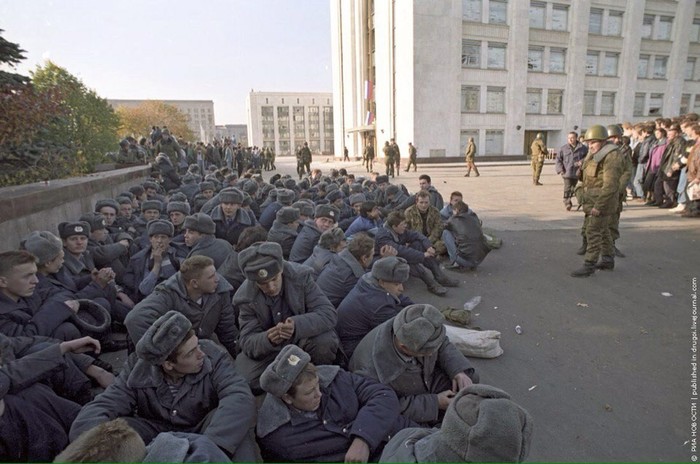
pixel 576 64
pixel 516 65
pixel 629 59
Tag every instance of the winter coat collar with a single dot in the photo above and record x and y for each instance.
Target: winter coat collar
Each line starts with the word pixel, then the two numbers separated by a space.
pixel 274 413
pixel 384 357
pixel 145 375
pixel 352 262
pixel 175 284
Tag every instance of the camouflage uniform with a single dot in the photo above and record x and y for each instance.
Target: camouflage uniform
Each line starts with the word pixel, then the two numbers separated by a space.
pixel 389 159
pixel 433 225
pixel 538 150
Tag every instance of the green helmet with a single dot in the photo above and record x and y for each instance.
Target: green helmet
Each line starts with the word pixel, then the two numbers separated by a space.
pixel 615 131
pixel 539 135
pixel 596 132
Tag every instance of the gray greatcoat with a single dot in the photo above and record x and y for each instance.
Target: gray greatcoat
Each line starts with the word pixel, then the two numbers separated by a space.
pixel 284 235
pixel 215 402
pixel 340 276
pixel 414 383
pixel 305 242
pixel 215 315
pixel 215 248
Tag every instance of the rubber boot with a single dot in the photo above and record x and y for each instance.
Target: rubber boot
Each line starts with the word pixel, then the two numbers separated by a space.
pixel 585 271
pixel 582 250
pixel 607 263
pixel 433 286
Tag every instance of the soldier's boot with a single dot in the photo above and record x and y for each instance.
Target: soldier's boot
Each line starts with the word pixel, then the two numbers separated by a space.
pixel 618 253
pixel 469 170
pixel 476 171
pixel 585 271
pixel 433 286
pixel 444 280
pixel 458 316
pixel 582 250
pixel 607 263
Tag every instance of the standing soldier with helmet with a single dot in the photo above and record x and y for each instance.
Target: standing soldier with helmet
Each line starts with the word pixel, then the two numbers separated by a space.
pixel 469 154
pixel 538 151
pixel 305 155
pixel 397 157
pixel 368 157
pixel 598 194
pixel 615 135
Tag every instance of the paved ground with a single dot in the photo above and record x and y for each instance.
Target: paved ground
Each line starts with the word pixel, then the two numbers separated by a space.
pixel 603 363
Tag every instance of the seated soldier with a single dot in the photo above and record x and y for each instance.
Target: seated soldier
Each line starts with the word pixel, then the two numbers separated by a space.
pixel 311 230
pixel 284 229
pixel 105 251
pixel 229 218
pixel 279 303
pixel 34 420
pixel 355 201
pixel 177 212
pixel 155 263
pixel 425 183
pixel 324 413
pixel 482 424
pixel 115 441
pixel 416 249
pixel 425 218
pixel 368 221
pixel 411 353
pixel 199 236
pixel 109 209
pixel 197 292
pixel 284 197
pixel 150 211
pixel 22 311
pixel 178 383
pixel 396 200
pixel 378 296
pixel 329 245
pixel 466 243
pixel 341 274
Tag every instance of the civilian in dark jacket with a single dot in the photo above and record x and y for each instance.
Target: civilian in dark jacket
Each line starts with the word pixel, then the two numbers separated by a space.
pixel 567 163
pixel 377 297
pixel 465 242
pixel 323 414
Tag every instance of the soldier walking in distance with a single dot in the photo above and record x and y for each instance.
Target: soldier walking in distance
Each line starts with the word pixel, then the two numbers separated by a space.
pixel 538 151
pixel 598 195
pixel 368 157
pixel 412 155
pixel 388 159
pixel 397 157
pixel 470 153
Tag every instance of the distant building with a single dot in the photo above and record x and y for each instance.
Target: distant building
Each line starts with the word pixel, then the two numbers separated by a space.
pixel 285 120
pixel 237 131
pixel 200 114
pixel 438 72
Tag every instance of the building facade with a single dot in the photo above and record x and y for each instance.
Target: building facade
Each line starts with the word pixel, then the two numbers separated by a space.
pixel 200 114
pixel 285 120
pixel 436 73
pixel 237 132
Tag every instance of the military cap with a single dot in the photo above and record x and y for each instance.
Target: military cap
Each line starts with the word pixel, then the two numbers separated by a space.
pixel 68 229
pixel 261 261
pixel 279 376
pixel 163 337
pixel 391 269
pixel 420 327
pixel 200 222
pixel 159 226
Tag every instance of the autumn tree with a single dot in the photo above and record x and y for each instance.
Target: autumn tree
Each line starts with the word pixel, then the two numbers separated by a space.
pixel 138 120
pixel 90 124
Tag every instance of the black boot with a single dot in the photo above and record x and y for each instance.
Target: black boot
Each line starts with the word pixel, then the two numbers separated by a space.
pixel 582 250
pixel 618 253
pixel 607 263
pixel 427 276
pixel 587 269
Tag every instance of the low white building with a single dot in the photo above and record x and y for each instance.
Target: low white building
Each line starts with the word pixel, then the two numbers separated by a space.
pixel 437 72
pixel 200 114
pixel 285 120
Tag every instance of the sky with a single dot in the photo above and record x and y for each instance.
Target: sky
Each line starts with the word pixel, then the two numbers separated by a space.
pixel 178 50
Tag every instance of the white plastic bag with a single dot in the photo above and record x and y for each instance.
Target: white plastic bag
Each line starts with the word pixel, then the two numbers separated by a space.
pixel 475 343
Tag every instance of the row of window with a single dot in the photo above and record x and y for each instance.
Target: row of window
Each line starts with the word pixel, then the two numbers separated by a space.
pixel 197 110
pixel 553 60
pixel 555 17
pixel 495 101
pixel 313 101
pixel 493 141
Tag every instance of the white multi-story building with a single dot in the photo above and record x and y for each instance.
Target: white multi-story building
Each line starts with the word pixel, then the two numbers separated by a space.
pixel 237 132
pixel 285 120
pixel 200 114
pixel 437 72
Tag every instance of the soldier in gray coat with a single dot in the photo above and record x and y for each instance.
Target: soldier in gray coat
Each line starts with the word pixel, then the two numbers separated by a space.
pixel 197 292
pixel 411 353
pixel 178 383
pixel 199 236
pixel 279 303
pixel 285 229
pixel 325 217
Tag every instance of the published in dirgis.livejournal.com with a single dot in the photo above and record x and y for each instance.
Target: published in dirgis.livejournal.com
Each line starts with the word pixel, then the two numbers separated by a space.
pixel 694 371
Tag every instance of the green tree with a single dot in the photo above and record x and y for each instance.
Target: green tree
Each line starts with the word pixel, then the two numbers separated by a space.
pixel 137 121
pixel 11 55
pixel 89 125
